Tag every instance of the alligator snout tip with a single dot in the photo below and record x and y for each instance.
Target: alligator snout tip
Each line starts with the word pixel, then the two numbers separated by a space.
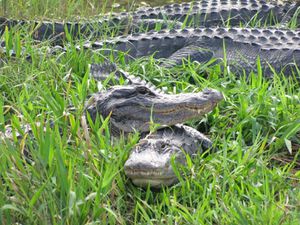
pixel 213 94
pixel 139 163
pixel 219 96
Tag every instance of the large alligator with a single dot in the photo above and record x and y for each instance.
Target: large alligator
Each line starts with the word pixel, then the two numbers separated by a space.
pixel 199 13
pixel 276 48
pixel 132 107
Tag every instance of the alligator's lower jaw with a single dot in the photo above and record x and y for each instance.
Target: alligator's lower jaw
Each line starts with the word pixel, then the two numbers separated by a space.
pixel 154 182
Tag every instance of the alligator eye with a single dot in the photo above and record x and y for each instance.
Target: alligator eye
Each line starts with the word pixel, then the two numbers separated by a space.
pixel 142 90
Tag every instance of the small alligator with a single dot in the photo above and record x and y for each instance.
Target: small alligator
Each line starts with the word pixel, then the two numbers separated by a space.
pixel 276 48
pixel 199 13
pixel 150 161
pixel 133 106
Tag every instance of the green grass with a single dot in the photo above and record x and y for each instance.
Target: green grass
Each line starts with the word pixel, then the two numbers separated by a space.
pixel 56 9
pixel 75 179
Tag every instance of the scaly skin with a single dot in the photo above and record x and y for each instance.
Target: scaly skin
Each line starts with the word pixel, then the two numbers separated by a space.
pixel 101 72
pixel 199 13
pixel 149 163
pixel 275 47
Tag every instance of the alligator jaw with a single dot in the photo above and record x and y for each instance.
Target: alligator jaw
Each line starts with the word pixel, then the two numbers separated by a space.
pixel 167 110
pixel 155 178
pixel 154 182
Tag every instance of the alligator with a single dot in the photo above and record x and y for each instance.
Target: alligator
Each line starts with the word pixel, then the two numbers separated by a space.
pixel 135 106
pixel 277 48
pixel 150 161
pixel 131 108
pixel 199 13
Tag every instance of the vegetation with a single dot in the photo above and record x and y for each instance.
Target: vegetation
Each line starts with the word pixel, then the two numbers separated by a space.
pixel 70 9
pixel 65 175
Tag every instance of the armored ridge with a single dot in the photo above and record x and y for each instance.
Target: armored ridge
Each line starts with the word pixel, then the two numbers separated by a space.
pixel 56 31
pixel 199 13
pixel 101 72
pixel 275 47
pixel 221 12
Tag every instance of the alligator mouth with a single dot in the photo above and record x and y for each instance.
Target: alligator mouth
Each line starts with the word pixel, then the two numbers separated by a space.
pixel 145 111
pixel 171 109
pixel 153 181
pixel 133 173
pixel 152 178
pixel 175 110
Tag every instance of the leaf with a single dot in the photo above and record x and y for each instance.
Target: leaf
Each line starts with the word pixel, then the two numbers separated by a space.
pixel 288 144
pixel 1 114
pixel 72 201
pixel 37 195
pixel 8 43
pixel 11 207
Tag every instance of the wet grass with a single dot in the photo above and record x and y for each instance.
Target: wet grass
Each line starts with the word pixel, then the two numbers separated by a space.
pixel 72 177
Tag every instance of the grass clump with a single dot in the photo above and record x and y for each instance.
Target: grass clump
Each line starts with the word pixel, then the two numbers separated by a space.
pixel 57 175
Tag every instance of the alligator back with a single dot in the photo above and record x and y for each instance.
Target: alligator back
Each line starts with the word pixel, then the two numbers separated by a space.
pixel 274 46
pixel 223 12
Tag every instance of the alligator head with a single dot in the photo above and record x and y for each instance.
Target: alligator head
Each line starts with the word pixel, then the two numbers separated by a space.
pixel 149 163
pixel 132 107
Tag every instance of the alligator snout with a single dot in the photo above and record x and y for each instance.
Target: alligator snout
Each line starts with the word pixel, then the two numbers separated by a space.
pixel 145 162
pixel 213 95
pixel 149 167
